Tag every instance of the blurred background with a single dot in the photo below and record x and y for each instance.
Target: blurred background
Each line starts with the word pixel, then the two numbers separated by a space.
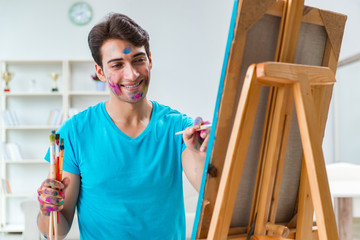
pixel 187 43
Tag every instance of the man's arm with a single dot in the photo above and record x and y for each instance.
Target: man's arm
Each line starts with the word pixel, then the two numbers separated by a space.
pixel 193 166
pixel 193 157
pixel 71 186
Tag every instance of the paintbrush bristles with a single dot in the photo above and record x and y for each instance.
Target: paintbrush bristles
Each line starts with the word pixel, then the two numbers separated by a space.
pixel 52 148
pixel 52 138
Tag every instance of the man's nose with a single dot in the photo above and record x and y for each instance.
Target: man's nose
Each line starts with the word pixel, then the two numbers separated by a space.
pixel 130 73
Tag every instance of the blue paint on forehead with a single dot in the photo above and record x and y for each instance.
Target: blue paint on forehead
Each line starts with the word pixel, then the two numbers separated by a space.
pixel 127 50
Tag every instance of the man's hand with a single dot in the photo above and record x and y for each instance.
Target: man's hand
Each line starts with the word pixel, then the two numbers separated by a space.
pixel 52 195
pixel 197 140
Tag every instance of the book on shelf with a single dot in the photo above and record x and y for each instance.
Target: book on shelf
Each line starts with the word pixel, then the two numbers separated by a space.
pixel 11 152
pixel 5 186
pixel 55 117
pixel 4 155
pixel 10 118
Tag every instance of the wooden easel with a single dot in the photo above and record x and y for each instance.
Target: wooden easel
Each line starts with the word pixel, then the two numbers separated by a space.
pixel 216 216
pixel 300 79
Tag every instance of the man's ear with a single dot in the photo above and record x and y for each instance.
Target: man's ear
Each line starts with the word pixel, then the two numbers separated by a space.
pixel 100 73
pixel 150 60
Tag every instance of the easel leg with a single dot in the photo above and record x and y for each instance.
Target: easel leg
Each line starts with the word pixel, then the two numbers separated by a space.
pixel 314 159
pixel 322 97
pixel 305 207
pixel 235 157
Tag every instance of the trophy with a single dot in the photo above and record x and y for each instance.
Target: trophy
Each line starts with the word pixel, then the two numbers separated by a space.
pixel 54 77
pixel 7 77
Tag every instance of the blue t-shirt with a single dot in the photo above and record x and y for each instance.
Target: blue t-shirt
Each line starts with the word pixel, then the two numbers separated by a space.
pixel 131 188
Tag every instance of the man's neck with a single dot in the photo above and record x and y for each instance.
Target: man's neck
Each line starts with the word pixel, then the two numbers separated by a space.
pixel 125 113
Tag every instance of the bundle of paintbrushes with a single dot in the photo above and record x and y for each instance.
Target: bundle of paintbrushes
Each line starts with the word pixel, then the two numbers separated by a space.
pixel 56 163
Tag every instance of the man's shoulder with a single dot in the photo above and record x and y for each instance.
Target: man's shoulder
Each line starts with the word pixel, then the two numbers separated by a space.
pixel 88 113
pixel 84 118
pixel 169 116
pixel 164 110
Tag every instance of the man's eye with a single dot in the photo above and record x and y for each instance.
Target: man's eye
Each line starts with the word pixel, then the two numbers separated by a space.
pixel 139 60
pixel 117 65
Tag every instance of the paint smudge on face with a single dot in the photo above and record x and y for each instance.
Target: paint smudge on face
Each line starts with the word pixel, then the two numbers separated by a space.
pixel 137 96
pixel 127 50
pixel 115 87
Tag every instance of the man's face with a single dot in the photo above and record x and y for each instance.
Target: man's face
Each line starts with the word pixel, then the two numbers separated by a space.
pixel 126 68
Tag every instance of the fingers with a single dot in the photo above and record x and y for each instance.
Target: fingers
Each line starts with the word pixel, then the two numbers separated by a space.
pixel 204 134
pixel 66 182
pixel 50 204
pixel 51 195
pixel 198 121
pixel 52 183
pixel 205 143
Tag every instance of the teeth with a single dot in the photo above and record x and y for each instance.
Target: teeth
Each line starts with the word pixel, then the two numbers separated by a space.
pixel 135 85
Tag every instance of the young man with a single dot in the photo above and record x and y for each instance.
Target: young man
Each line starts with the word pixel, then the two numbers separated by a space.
pixel 123 162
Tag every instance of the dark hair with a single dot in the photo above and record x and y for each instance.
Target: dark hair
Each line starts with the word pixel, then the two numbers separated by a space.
pixel 116 26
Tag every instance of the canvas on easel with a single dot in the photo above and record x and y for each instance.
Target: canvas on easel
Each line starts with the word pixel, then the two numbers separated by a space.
pixel 258 33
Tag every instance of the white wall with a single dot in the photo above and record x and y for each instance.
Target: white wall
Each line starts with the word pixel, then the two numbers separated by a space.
pixel 187 40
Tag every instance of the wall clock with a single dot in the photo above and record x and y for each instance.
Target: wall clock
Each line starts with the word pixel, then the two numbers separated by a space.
pixel 80 13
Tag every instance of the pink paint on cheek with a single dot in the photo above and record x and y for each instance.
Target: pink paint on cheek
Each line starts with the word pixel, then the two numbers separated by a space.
pixel 137 96
pixel 115 87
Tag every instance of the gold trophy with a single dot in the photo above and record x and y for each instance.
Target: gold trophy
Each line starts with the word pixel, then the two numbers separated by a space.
pixel 54 77
pixel 7 77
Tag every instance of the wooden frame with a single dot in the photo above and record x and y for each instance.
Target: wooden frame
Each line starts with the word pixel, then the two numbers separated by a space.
pixel 248 14
pixel 299 78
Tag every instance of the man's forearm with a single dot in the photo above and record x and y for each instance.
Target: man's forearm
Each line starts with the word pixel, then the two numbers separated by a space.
pixel 43 225
pixel 193 165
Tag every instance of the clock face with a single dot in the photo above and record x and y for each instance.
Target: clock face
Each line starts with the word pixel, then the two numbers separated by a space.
pixel 80 13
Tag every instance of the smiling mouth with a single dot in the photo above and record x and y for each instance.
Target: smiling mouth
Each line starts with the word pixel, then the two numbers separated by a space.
pixel 132 86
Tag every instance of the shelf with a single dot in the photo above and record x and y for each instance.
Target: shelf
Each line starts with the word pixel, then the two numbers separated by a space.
pixel 88 93
pixel 32 99
pixel 32 94
pixel 13 61
pixel 20 195
pixel 12 228
pixel 32 127
pixel 26 161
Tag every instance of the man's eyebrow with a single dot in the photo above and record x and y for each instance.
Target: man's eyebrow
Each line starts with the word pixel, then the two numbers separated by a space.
pixel 138 54
pixel 115 59
pixel 120 59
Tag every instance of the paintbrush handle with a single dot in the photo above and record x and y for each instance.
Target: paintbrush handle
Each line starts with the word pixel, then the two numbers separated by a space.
pixel 202 127
pixel 55 225
pixel 52 173
pixel 51 222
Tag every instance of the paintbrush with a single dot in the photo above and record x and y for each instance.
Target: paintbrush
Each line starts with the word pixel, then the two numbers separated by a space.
pixel 61 159
pixel 60 168
pixel 202 127
pixel 52 175
pixel 57 151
